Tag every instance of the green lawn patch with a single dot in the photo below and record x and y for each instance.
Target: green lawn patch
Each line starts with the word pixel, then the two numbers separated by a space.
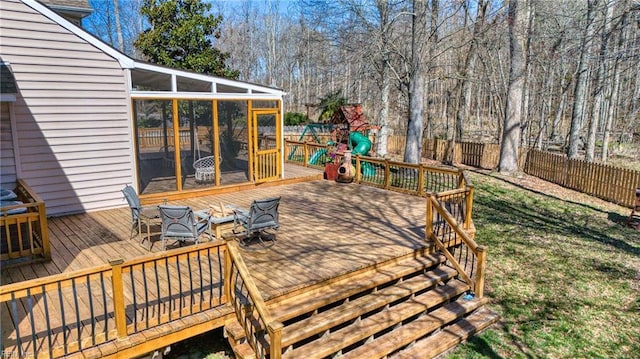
pixel 564 276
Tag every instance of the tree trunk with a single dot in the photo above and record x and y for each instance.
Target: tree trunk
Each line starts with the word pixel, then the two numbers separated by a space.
pixel 615 88
pixel 580 93
pixel 513 113
pixel 599 100
pixel 413 147
pixel 116 9
pixel 468 71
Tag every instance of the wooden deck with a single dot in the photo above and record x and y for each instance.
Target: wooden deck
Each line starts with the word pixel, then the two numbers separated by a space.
pixel 327 229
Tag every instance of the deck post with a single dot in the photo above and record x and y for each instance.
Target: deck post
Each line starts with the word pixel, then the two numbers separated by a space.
pixel 358 178
pixel 387 175
pixel 428 231
pixel 469 205
pixel 275 333
pixel 482 263
pixel 118 297
pixel 44 231
pixel 305 151
pixel 421 192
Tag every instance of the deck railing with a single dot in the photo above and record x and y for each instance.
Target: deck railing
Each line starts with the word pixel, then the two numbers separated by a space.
pixel 24 236
pixel 461 251
pixel 416 179
pixel 62 314
pixel 449 196
pixel 263 333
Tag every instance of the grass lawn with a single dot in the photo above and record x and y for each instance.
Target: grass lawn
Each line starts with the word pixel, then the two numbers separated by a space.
pixel 563 272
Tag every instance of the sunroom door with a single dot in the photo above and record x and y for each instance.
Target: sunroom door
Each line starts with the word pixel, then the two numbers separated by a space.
pixel 266 145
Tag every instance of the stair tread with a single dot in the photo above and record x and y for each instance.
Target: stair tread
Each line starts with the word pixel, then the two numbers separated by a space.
pixel 310 300
pixel 450 336
pixel 410 332
pixel 318 323
pixel 244 351
pixel 366 327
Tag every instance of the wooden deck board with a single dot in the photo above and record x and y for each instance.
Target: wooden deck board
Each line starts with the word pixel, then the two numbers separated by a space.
pixel 326 229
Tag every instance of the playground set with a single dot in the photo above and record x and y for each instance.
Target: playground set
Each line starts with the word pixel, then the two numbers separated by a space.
pixel 349 132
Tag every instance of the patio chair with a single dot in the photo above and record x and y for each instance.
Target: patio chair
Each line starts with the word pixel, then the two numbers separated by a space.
pixel 262 216
pixel 179 223
pixel 139 214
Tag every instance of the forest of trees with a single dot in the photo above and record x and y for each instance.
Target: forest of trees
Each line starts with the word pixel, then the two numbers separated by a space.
pixel 444 68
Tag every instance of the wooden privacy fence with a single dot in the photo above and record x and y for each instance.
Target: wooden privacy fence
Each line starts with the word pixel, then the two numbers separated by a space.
pixel 604 181
pixel 24 236
pixel 610 183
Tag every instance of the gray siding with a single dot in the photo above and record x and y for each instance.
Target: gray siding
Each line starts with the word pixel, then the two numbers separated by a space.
pixel 7 157
pixel 71 112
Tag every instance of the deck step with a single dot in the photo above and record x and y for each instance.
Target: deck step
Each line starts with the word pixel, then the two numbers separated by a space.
pixel 355 308
pixel 349 285
pixel 366 327
pixel 379 312
pixel 450 336
pixel 343 288
pixel 414 330
pixel 244 351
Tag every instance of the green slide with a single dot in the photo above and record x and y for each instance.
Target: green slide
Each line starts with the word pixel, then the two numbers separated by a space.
pixel 315 158
pixel 361 146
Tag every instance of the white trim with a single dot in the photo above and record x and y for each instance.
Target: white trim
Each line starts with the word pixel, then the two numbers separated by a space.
pixel 208 78
pixel 132 131
pixel 174 83
pixel 203 95
pixel 124 60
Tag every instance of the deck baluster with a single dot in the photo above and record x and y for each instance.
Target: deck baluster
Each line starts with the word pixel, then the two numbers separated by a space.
pixel 46 315
pixel 134 296
pixel 62 316
pixel 104 306
pixel 77 311
pixel 91 314
pixel 146 295
pixel 170 294
pixel 16 324
pixel 159 298
pixel 31 319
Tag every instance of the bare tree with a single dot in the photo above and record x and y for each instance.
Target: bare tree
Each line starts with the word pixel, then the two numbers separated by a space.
pixel 511 130
pixel 413 148
pixel 116 15
pixel 580 92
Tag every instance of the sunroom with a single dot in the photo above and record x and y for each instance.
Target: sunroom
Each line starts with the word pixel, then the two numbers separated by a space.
pixel 197 132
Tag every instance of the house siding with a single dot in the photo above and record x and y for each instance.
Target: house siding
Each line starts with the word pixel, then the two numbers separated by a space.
pixel 7 156
pixel 71 113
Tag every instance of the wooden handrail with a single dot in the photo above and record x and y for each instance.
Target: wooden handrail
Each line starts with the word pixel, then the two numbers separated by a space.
pixel 273 327
pixel 478 251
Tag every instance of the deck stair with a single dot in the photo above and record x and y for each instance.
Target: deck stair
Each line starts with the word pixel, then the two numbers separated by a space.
pixel 414 305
